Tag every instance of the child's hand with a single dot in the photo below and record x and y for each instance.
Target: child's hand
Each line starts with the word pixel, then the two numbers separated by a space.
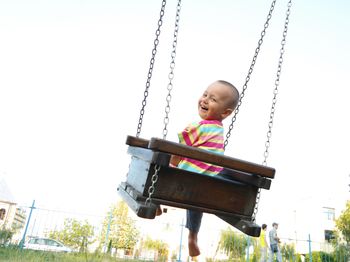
pixel 174 160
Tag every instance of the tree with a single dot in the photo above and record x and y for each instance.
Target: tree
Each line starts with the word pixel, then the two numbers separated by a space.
pixel 343 223
pixel 342 233
pixel 123 233
pixel 288 251
pixel 5 236
pixel 233 244
pixel 75 234
pixel 161 248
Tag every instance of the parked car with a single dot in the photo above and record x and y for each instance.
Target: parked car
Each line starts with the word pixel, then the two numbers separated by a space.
pixel 46 244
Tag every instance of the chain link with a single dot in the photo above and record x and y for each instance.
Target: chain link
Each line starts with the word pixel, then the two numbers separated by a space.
pixel 171 74
pixel 274 100
pixel 150 70
pixel 250 71
pixel 152 187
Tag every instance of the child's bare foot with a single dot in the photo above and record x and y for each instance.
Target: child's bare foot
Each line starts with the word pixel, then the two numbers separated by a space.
pixel 193 248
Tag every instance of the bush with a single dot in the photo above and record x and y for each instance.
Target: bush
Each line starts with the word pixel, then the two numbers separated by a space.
pixel 326 257
pixel 5 236
pixel 320 256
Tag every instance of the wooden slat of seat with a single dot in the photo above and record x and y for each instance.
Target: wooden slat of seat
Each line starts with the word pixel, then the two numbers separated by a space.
pixel 137 203
pixel 209 157
pixel 247 178
pixel 163 159
pixel 182 186
pixel 138 196
pixel 136 141
pixel 202 155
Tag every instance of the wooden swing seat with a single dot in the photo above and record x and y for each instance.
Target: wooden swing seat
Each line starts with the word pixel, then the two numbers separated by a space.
pixel 231 195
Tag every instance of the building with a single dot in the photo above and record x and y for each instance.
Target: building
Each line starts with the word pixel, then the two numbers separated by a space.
pixel 11 217
pixel 310 225
pixel 7 206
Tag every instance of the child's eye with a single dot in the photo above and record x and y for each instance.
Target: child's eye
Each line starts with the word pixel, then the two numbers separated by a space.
pixel 213 99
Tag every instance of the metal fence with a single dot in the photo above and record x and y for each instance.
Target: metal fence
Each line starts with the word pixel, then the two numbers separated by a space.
pixel 171 230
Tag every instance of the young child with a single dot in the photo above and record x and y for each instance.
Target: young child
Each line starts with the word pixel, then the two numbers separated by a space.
pixel 217 102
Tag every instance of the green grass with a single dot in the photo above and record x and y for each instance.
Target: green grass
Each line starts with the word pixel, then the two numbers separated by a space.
pixel 14 254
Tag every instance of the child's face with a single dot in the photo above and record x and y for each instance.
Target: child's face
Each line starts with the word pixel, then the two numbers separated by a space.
pixel 213 104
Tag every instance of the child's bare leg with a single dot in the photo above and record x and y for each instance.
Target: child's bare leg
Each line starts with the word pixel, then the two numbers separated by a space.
pixel 193 223
pixel 193 248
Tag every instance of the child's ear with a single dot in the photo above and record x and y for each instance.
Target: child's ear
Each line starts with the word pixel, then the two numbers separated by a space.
pixel 226 113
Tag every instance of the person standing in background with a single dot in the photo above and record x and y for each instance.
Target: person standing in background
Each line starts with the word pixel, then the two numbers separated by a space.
pixel 274 241
pixel 263 243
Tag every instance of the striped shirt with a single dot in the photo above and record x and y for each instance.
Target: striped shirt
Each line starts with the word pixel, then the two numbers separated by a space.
pixel 207 135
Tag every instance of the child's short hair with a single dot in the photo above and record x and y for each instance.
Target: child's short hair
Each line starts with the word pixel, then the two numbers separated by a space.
pixel 235 98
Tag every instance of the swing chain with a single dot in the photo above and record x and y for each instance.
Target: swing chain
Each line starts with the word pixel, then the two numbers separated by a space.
pixel 250 71
pixel 152 187
pixel 154 178
pixel 171 74
pixel 274 100
pixel 150 70
pixel 277 82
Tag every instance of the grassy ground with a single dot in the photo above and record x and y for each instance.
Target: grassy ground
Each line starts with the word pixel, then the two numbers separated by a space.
pixel 17 255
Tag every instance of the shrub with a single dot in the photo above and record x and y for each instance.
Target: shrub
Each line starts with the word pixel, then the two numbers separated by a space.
pixel 5 236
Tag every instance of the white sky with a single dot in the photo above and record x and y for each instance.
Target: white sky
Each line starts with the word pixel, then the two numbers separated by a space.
pixel 72 76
